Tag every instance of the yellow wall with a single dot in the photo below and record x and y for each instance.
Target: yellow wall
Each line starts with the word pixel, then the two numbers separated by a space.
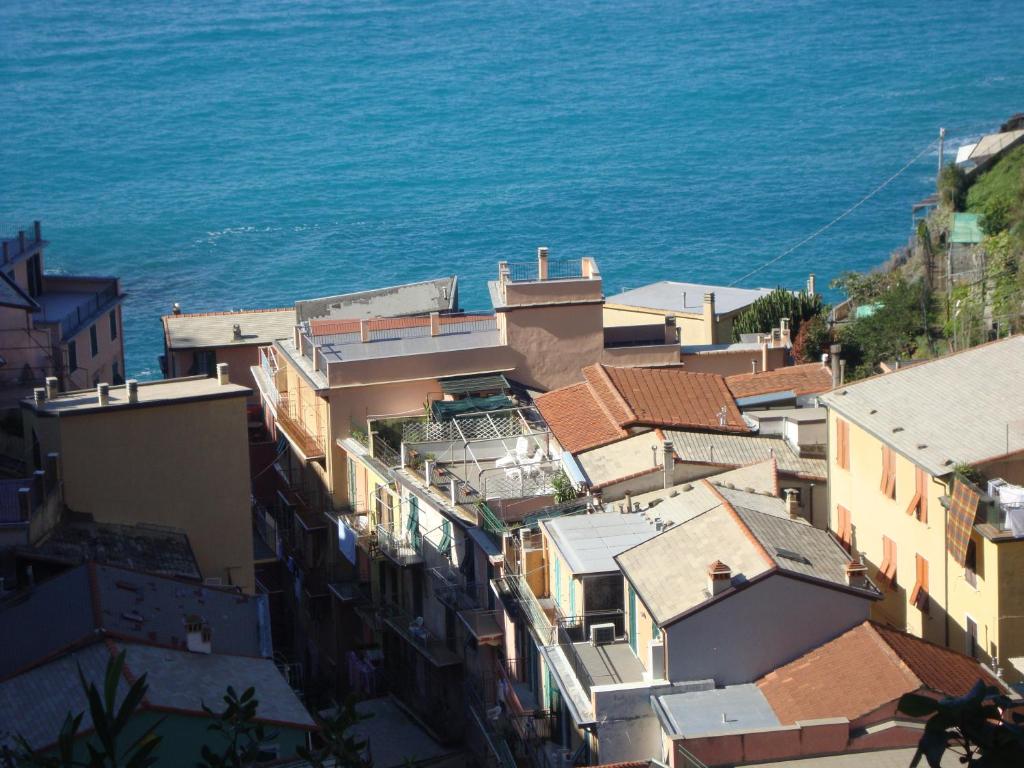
pixel 183 464
pixel 995 601
pixel 873 515
pixel 691 325
pixel 644 628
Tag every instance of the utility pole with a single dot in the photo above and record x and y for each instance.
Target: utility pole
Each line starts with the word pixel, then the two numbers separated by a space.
pixel 942 147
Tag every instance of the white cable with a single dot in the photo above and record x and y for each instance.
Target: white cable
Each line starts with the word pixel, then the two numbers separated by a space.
pixel 838 218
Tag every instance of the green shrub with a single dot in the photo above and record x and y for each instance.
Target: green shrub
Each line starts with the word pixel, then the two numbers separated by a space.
pixel 765 313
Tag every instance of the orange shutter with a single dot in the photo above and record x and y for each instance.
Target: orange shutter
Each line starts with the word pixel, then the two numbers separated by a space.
pixel 922 488
pixel 887 570
pixel 919 595
pixel 845 531
pixel 888 483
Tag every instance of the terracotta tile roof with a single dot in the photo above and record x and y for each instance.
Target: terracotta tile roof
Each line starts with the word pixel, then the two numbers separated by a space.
pixel 806 379
pixel 328 327
pixel 669 397
pixel 830 681
pixel 577 419
pixel 599 411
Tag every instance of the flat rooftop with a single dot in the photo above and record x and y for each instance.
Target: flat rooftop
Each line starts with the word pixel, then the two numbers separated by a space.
pixel 589 543
pixel 164 392
pixel 610 664
pixel 217 329
pixel 686 298
pixel 400 346
pixel 733 709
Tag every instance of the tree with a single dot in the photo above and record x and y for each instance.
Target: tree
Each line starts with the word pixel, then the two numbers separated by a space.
pixel 564 489
pixel 952 187
pixel 812 339
pixel 765 313
pixel 974 727
pixel 895 329
pixel 238 728
pixel 109 722
pixel 340 748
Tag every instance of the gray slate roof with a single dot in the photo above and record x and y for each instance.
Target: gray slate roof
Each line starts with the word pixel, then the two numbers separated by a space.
pixel 966 407
pixel 74 607
pixel 741 450
pixel 667 296
pixel 153 550
pixel 697 713
pixel 216 329
pixel 670 571
pixel 13 296
pixel 589 543
pixel 35 703
pixel 438 295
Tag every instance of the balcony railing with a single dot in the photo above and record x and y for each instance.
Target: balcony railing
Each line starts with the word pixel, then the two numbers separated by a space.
pixel 558 269
pixel 385 454
pixel 402 548
pixel 312 445
pixel 517 588
pixel 566 643
pixel 100 294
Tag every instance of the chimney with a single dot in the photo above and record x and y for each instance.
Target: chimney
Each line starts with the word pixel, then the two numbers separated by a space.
pixel 834 351
pixel 628 502
pixel 784 330
pixel 542 263
pixel 364 331
pixel 132 388
pixel 176 308
pixel 857 574
pixel 810 284
pixel 435 323
pixel 52 387
pixel 671 333
pixel 709 318
pixel 764 354
pixel 236 331
pixel 719 577
pixel 39 396
pixel 103 394
pixel 222 374
pixel 297 337
pixel 670 463
pixel 753 366
pixel 792 504
pixel 198 635
pixel 842 371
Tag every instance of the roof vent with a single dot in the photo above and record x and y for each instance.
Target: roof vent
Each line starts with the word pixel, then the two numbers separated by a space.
pixel 897 429
pixel 922 446
pixel 789 554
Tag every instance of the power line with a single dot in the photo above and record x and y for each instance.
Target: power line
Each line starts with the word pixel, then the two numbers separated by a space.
pixel 838 218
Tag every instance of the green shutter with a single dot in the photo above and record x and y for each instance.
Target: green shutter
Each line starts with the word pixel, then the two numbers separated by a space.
pixel 572 596
pixel 655 630
pixel 632 618
pixel 412 521
pixel 352 489
pixel 558 580
pixel 445 547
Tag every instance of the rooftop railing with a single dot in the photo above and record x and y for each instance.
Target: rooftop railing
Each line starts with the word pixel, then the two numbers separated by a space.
pixel 557 269
pixel 16 240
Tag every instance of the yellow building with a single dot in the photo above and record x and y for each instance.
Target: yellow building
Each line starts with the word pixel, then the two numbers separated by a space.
pixel 171 453
pixel 944 552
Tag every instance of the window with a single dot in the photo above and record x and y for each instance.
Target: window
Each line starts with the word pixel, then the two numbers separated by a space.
pixel 971 564
pixel 94 345
pixel 919 595
pixel 842 444
pixel 887 570
pixel 919 504
pixel 845 528
pixel 888 484
pixel 72 356
pixel 971 638
pixel 112 318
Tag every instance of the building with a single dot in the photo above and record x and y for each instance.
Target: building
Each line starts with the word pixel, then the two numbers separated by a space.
pixel 116 444
pixel 190 641
pixel 702 313
pixel 194 343
pixel 794 385
pixel 64 326
pixel 945 551
pixel 818 705
pixel 587 663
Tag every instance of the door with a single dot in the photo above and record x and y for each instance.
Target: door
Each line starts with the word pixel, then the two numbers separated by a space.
pixel 632 619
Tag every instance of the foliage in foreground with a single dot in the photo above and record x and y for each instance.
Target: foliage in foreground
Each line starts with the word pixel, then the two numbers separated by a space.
pixel 974 727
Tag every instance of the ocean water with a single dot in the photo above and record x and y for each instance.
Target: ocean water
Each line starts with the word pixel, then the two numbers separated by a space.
pixel 229 155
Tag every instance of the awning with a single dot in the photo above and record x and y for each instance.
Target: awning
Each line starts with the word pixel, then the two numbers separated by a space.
pixel 468 385
pixel 446 409
pixel 962 510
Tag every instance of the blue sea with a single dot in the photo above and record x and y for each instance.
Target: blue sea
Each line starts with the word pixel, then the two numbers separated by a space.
pixel 247 154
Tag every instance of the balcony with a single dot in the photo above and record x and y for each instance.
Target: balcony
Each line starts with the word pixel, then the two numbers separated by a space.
pixel 401 547
pixel 597 664
pixel 18 242
pixel 309 444
pixel 72 303
pixel 540 618
pixel 418 636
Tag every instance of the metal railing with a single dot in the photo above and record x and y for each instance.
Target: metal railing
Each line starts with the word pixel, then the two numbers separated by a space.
pixel 519 481
pixel 13 236
pixel 71 322
pixel 404 549
pixel 567 644
pixel 395 329
pixel 558 269
pixel 466 428
pixel 385 454
pixel 313 444
pixel 534 614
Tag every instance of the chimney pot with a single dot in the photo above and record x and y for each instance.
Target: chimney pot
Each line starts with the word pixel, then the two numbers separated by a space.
pixel 364 330
pixel 810 284
pixel 708 318
pixel 857 574
pixel 236 331
pixel 669 463
pixel 542 263
pixel 628 502
pixel 764 354
pixel 792 504
pixel 719 577
pixel 834 351
pixel 435 323
pixel 132 388
pixel 198 635
pixel 39 396
pixel 103 394
pixel 222 374
pixel 52 387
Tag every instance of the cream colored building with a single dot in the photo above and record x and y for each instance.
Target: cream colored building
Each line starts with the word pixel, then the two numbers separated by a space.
pixel 895 444
pixel 171 452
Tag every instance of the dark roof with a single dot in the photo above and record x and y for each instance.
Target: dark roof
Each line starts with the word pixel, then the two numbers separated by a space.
pixel 160 551
pixel 34 704
pixel 12 296
pixel 93 601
